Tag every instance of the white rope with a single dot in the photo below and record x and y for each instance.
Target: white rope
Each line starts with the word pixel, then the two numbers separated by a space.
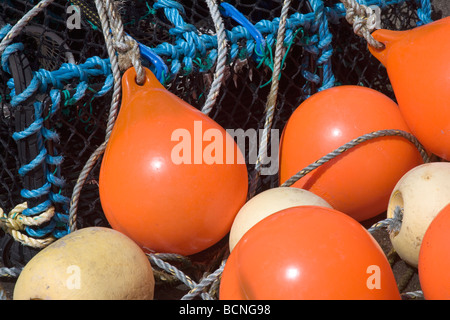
pixel 364 21
pixel 272 98
pixel 14 223
pixel 114 39
pixel 26 18
pixel 221 57
pixel 127 47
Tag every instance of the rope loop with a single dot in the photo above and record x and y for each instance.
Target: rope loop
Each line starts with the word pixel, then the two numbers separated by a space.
pixel 363 20
pixel 126 47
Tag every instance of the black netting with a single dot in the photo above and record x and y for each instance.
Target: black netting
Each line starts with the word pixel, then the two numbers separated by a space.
pixel 49 43
pixel 81 122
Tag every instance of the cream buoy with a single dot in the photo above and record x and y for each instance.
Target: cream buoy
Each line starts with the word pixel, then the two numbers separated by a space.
pixel 421 193
pixel 93 263
pixel 268 202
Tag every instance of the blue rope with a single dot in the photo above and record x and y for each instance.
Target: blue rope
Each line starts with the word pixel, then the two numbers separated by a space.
pixel 41 82
pixel 424 12
pixel 324 44
pixel 190 44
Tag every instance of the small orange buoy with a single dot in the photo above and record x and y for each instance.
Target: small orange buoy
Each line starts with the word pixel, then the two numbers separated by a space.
pixel 359 181
pixel 418 65
pixel 160 183
pixel 434 258
pixel 304 253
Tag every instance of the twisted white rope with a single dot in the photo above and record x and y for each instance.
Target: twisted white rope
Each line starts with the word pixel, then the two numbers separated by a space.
pixel 272 98
pixel 221 57
pixel 113 33
pixel 19 25
pixel 127 47
pixel 363 20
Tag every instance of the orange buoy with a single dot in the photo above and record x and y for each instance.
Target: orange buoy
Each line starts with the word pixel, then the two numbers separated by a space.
pixel 434 258
pixel 171 178
pixel 418 66
pixel 305 253
pixel 359 181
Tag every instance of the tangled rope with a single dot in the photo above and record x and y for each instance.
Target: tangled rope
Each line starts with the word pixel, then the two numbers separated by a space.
pixel 24 218
pixel 15 222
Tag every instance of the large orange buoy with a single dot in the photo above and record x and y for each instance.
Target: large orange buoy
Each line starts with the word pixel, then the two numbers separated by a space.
pixel 171 178
pixel 307 252
pixel 359 181
pixel 418 65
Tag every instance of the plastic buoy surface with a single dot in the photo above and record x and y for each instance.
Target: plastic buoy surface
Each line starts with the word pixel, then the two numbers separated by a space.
pixel 421 193
pixel 360 180
pixel 418 68
pixel 307 252
pixel 171 178
pixel 93 263
pixel 269 202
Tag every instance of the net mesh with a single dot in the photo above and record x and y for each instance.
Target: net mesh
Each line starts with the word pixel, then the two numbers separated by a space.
pixel 315 58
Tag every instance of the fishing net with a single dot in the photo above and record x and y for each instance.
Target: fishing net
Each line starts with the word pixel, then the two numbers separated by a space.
pixel 60 63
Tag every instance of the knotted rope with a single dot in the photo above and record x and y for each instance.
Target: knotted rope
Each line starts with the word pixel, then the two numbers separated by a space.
pixel 128 52
pixel 363 20
pixel 15 222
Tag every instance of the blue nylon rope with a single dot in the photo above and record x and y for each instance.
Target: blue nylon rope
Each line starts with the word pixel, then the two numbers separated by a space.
pixel 42 80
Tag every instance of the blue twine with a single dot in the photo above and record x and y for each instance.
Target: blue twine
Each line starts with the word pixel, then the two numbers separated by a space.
pixel 230 11
pixel 4 30
pixel 8 51
pixel 188 45
pixel 42 231
pixel 324 44
pixel 41 82
pixel 424 12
